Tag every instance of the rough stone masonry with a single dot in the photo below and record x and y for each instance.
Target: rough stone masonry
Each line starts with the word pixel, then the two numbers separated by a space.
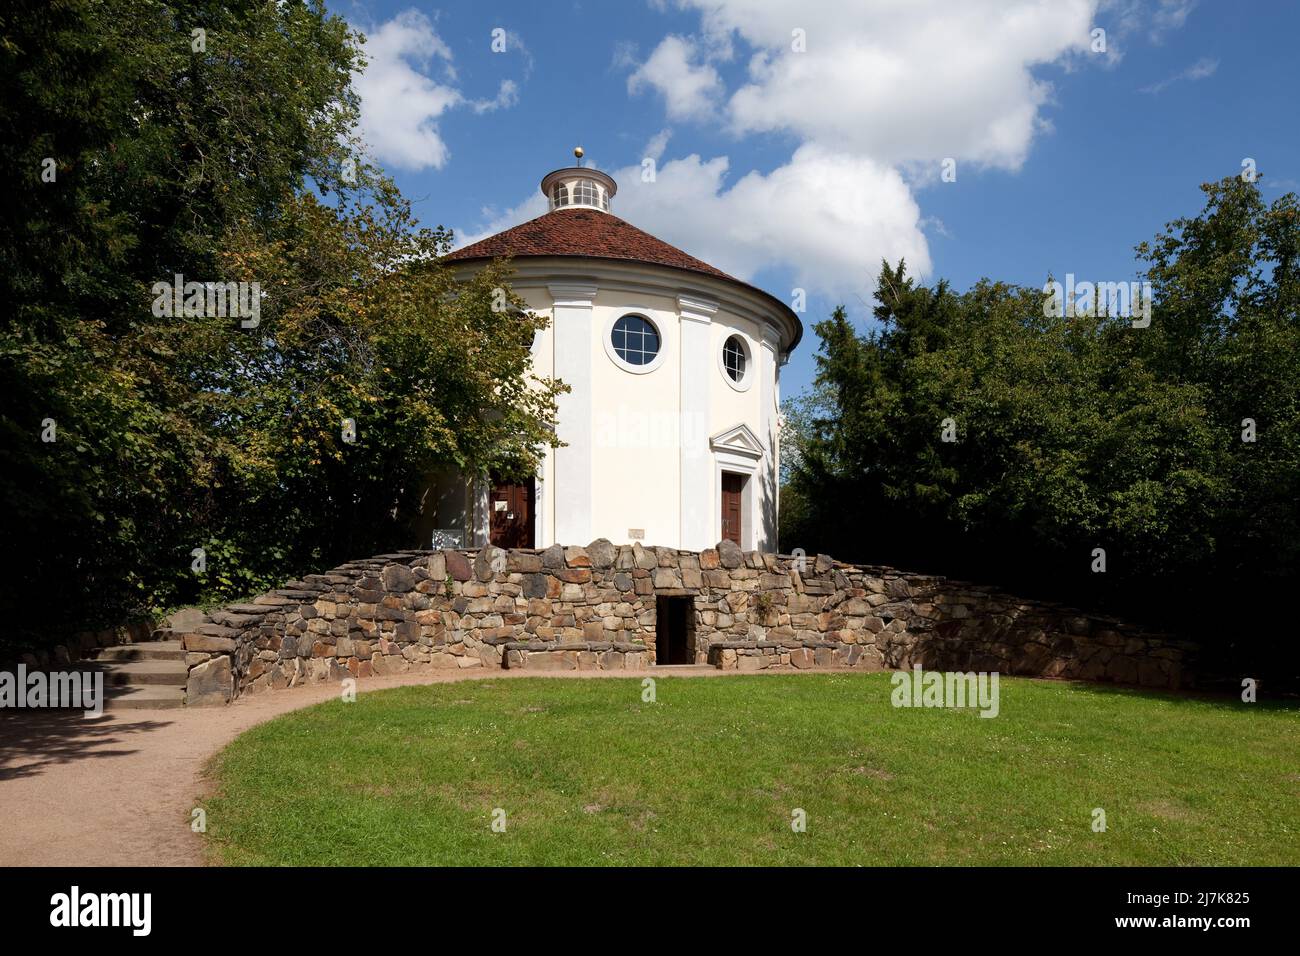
pixel 576 608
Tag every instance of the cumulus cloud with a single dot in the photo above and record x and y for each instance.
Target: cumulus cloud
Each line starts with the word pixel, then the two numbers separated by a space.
pixel 689 89
pixel 916 82
pixel 829 216
pixel 401 101
pixel 881 94
pixel 877 90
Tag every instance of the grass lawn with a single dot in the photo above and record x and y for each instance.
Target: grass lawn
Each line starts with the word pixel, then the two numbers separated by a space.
pixel 711 772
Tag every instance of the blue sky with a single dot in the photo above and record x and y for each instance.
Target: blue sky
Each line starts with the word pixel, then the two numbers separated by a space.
pixel 803 167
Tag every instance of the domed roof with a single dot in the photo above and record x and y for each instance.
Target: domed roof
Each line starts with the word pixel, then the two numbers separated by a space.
pixel 592 233
pixel 578 231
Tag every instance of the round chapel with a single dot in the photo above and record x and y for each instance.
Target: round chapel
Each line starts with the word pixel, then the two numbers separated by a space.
pixel 670 430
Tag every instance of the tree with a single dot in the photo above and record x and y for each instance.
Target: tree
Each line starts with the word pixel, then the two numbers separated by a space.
pixel 218 142
pixel 973 435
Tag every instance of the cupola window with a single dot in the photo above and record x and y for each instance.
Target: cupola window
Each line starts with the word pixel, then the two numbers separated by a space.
pixel 579 185
pixel 588 193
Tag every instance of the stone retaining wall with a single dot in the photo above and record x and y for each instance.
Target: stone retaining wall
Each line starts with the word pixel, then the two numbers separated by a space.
pixel 595 608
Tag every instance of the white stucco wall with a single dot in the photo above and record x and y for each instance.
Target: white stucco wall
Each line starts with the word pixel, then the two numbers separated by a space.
pixel 637 429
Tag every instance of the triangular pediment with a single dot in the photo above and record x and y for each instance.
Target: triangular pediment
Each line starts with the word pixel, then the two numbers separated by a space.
pixel 739 440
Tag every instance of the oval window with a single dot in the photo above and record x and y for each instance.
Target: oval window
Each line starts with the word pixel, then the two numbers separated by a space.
pixel 733 359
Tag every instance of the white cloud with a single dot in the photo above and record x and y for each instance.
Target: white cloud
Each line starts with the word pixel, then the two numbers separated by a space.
pixel 937 225
pixel 1132 19
pixel 828 216
pixel 882 88
pixel 507 96
pixel 911 82
pixel 401 102
pixel 690 91
pixel 1169 15
pixel 657 144
pixel 1199 70
pixel 625 56
pixel 879 88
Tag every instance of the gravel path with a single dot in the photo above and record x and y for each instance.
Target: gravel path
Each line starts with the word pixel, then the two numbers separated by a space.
pixel 118 790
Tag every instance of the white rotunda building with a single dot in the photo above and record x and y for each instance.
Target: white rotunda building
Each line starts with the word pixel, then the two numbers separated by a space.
pixel 670 429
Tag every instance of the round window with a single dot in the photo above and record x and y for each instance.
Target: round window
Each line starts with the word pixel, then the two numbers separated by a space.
pixel 733 359
pixel 635 340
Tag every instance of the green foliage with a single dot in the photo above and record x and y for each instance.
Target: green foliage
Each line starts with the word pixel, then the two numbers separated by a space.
pixel 224 164
pixel 1074 432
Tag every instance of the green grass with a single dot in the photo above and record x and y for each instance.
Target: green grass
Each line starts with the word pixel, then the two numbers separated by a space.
pixel 711 772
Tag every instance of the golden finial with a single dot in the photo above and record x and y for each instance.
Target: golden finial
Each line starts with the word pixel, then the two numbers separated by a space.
pixel 578 152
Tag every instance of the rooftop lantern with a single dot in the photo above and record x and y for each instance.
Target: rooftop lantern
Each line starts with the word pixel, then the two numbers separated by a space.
pixel 579 186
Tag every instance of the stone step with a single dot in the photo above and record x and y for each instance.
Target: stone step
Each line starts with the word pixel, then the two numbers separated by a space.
pixel 145 676
pixel 144 697
pixel 135 673
pixel 685 668
pixel 150 651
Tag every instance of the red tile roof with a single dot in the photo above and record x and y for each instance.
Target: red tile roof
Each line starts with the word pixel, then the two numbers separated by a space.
pixel 584 232
pixel 599 235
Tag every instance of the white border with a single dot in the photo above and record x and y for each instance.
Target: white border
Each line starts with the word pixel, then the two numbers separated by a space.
pixel 608 338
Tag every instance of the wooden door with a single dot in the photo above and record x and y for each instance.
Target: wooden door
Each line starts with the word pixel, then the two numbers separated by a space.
pixel 511 511
pixel 731 489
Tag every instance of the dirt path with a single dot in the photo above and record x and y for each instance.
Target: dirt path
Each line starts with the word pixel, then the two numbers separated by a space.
pixel 118 790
